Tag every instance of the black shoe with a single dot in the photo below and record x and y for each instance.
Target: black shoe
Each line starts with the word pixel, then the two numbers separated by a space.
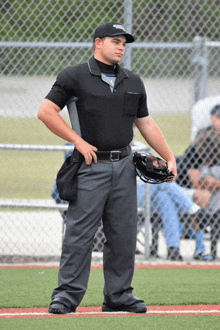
pixel 153 253
pixel 57 307
pixel 174 254
pixel 138 307
pixel 203 257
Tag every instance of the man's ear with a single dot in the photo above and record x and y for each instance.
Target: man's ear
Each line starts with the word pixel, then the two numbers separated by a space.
pixel 98 42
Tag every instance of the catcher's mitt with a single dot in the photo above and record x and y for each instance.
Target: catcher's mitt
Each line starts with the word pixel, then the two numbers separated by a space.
pixel 151 169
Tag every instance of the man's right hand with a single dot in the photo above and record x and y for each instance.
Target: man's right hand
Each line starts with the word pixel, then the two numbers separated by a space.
pixel 87 150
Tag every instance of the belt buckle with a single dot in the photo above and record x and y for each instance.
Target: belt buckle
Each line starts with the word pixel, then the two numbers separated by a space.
pixel 114 156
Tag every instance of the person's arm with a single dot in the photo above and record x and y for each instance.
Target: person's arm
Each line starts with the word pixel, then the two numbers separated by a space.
pixel 50 116
pixel 154 137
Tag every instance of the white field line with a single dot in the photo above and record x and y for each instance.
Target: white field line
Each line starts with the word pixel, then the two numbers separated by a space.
pixel 109 313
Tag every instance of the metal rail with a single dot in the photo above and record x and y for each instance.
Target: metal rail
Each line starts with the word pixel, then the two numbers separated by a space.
pixel 36 147
pixel 39 204
pixel 33 147
pixel 32 205
pixel 29 44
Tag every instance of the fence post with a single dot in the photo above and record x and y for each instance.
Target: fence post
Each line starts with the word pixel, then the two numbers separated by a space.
pixel 128 4
pixel 147 221
pixel 200 60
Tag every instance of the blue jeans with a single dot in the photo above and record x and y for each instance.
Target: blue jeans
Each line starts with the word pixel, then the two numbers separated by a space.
pixel 169 200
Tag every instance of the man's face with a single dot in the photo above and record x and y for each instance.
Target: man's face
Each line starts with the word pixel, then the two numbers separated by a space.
pixel 215 120
pixel 110 50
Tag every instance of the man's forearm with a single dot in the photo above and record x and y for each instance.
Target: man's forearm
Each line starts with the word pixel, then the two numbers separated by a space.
pixel 49 115
pixel 154 137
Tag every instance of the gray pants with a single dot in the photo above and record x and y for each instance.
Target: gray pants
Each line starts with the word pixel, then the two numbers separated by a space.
pixel 107 191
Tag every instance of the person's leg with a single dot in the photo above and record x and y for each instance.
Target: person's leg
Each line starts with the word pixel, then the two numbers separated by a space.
pixel 82 220
pixel 186 205
pixel 141 192
pixel 182 201
pixel 162 204
pixel 120 228
pixel 209 217
pixel 202 197
pixel 156 222
pixel 214 241
pixel 215 233
pixel 200 246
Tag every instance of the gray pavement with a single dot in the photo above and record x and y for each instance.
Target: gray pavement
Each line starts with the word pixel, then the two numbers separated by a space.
pixel 22 96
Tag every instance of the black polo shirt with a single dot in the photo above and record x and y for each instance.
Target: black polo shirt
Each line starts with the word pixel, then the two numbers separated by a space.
pixel 106 117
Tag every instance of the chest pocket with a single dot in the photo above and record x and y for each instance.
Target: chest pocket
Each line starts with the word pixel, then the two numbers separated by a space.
pixel 131 101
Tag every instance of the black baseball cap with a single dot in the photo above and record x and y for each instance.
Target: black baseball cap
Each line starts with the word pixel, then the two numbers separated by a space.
pixel 112 29
pixel 215 111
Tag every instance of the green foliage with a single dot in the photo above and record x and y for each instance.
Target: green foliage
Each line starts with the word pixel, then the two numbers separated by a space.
pixel 176 20
pixel 53 20
pixel 73 21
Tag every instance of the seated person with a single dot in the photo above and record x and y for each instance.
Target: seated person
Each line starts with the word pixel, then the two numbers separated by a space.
pixel 206 179
pixel 169 200
pixel 203 175
pixel 166 198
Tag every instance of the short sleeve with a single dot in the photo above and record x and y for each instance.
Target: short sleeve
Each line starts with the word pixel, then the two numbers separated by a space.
pixel 63 88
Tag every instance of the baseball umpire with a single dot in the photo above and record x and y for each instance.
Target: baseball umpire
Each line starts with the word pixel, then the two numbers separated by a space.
pixel 109 100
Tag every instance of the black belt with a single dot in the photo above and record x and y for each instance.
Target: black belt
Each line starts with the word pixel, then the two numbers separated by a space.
pixel 114 155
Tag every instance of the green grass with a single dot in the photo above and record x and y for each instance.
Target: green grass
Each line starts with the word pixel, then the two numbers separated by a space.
pixel 26 131
pixel 116 323
pixel 33 287
pixel 29 174
pixel 176 129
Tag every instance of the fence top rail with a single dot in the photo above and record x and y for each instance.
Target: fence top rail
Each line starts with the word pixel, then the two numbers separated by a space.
pixel 40 204
pixel 212 43
pixel 31 205
pixel 33 147
pixel 45 44
pixel 137 45
pixel 89 44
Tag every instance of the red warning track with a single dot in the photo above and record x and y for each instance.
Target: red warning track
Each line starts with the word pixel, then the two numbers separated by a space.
pixel 172 310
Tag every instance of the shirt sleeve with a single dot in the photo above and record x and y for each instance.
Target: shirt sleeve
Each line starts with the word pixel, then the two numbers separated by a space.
pixel 63 88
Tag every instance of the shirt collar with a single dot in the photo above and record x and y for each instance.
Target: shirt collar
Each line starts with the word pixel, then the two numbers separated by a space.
pixel 94 69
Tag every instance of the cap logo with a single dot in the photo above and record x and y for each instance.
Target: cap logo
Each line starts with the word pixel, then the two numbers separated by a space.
pixel 117 26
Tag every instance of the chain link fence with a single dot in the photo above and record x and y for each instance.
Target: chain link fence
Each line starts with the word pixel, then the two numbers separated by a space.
pixel 177 52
